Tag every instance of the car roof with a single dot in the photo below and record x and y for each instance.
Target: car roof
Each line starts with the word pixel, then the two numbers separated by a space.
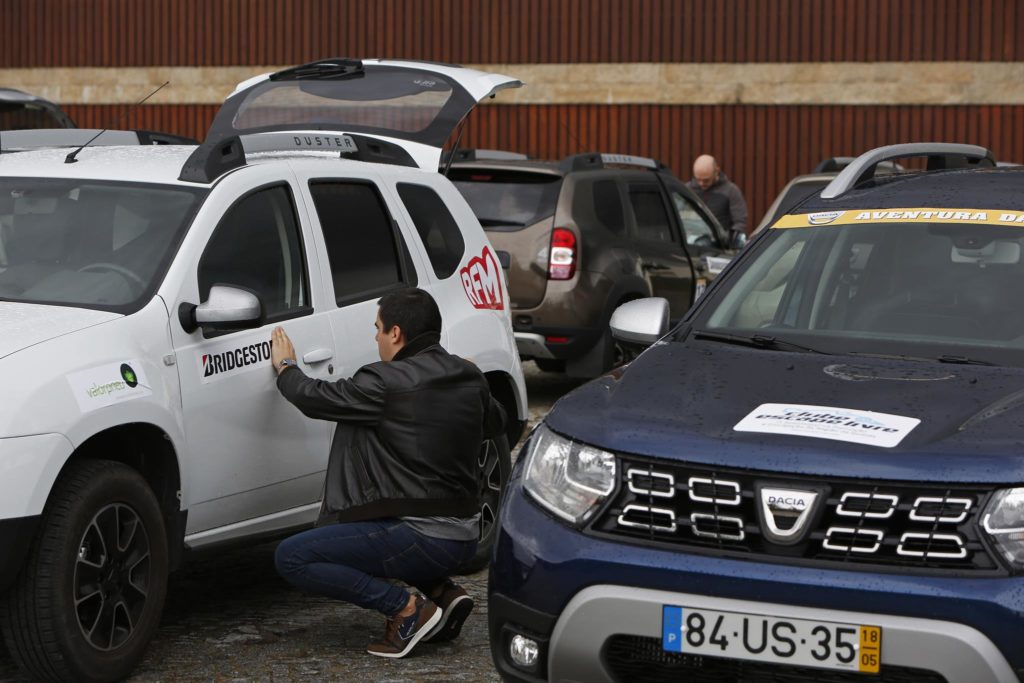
pixel 157 163
pixel 983 188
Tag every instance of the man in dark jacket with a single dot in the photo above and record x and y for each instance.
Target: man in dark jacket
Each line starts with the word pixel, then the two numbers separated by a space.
pixel 720 194
pixel 402 493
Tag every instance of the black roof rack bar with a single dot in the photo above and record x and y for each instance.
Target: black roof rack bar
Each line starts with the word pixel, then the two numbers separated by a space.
pixel 595 160
pixel 48 138
pixel 941 155
pixel 214 158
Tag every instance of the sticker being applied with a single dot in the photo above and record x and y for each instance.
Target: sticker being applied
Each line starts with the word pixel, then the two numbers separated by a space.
pixel 108 384
pixel 232 359
pixel 838 424
pixel 482 281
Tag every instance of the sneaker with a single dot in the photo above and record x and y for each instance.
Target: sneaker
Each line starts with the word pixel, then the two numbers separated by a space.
pixel 455 606
pixel 402 633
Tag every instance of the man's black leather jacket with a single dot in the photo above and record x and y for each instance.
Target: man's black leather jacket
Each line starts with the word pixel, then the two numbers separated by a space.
pixel 408 436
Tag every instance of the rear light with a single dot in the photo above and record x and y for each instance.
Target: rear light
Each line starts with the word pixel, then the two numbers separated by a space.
pixel 562 260
pixel 557 340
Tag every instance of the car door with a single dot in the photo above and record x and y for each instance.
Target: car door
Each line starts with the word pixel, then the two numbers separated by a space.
pixel 252 453
pixel 663 257
pixel 366 258
pixel 705 238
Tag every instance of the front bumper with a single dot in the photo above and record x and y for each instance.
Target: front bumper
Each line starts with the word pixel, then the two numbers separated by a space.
pixel 592 589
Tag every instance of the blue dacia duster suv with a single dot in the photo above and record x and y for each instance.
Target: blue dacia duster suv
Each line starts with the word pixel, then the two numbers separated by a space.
pixel 818 475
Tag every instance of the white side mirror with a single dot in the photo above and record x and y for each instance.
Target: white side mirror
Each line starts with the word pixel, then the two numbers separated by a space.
pixel 643 321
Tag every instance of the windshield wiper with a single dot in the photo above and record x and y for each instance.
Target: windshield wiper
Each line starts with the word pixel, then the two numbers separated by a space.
pixel 962 360
pixel 759 341
pixel 956 360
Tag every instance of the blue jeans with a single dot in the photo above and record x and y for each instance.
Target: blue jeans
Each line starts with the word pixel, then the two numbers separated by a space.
pixel 350 561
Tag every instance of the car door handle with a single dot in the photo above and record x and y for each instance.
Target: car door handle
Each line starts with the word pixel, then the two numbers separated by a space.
pixel 318 356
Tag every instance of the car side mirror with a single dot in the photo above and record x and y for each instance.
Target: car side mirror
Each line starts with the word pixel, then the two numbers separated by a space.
pixel 737 239
pixel 228 307
pixel 643 321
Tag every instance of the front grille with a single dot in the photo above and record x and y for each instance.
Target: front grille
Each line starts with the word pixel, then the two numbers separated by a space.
pixel 636 658
pixel 906 525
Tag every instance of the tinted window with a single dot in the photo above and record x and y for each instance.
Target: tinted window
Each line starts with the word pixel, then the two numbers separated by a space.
pixel 438 230
pixel 257 246
pixel 649 210
pixel 88 243
pixel 509 199
pixel 697 230
pixel 360 239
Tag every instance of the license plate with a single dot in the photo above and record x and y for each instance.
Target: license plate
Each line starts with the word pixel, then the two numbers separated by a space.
pixel 800 642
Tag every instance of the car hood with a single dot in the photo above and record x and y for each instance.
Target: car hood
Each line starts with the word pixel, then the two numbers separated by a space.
pixel 684 400
pixel 26 325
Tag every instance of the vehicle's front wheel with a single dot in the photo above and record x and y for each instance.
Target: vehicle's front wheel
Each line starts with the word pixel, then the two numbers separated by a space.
pixel 496 465
pixel 89 598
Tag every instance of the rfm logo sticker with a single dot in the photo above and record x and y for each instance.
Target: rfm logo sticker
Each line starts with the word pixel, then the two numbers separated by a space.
pixel 482 281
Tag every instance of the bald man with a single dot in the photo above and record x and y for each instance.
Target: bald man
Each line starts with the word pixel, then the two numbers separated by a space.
pixel 720 194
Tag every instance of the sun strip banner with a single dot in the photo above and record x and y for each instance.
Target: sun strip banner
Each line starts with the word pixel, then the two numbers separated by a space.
pixel 919 215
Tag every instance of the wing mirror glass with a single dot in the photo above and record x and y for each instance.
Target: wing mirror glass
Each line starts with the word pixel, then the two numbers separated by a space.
pixel 227 308
pixel 643 321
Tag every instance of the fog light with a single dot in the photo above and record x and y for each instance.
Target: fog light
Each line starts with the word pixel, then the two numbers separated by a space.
pixel 523 652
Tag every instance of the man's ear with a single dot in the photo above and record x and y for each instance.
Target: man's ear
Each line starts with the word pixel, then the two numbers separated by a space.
pixel 396 335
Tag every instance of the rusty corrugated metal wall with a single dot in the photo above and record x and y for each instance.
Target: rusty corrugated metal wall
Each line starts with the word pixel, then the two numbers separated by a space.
pixel 759 146
pixel 233 32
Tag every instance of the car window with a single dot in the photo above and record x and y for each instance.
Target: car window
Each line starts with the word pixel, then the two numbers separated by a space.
pixel 89 243
pixel 652 221
pixel 696 229
pixel 360 237
pixel 507 199
pixel 257 246
pixel 440 233
pixel 884 287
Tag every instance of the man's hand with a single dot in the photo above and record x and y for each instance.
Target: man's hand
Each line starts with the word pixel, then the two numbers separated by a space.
pixel 280 348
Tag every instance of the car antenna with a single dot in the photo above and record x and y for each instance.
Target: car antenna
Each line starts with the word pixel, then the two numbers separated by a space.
pixel 455 148
pixel 70 158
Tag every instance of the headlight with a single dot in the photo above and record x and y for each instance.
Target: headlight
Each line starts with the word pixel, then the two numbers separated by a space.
pixel 1004 521
pixel 566 477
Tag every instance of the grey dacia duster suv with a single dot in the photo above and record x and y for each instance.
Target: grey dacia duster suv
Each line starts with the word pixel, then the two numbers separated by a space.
pixel 581 236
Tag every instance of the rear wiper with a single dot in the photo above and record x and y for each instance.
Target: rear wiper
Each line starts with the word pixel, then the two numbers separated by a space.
pixel 498 221
pixel 759 341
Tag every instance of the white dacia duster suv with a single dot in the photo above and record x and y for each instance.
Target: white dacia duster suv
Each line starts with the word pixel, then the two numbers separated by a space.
pixel 138 289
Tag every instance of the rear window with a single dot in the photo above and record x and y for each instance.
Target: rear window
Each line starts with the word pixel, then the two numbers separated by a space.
pixel 19 116
pixel 436 226
pixel 508 200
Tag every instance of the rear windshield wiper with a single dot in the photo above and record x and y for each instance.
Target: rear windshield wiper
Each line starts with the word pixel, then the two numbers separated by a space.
pixel 759 341
pixel 498 221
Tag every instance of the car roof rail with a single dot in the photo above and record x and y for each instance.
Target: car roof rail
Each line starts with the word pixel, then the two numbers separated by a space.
pixel 49 138
pixel 217 156
pixel 940 155
pixel 485 155
pixel 595 160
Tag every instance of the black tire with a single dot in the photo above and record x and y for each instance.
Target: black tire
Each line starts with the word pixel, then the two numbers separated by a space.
pixel 496 462
pixel 550 364
pixel 95 505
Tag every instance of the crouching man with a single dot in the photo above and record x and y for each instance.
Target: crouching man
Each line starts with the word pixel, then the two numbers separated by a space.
pixel 402 493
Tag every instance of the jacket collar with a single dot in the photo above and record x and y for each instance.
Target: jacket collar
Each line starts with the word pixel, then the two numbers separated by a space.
pixel 417 344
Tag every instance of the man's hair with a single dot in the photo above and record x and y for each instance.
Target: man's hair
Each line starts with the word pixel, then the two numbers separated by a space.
pixel 413 310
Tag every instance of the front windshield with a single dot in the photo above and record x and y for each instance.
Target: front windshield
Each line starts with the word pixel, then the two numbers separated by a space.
pixel 903 289
pixel 88 243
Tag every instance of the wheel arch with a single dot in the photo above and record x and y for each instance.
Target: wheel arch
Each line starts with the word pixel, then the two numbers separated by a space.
pixel 503 388
pixel 149 450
